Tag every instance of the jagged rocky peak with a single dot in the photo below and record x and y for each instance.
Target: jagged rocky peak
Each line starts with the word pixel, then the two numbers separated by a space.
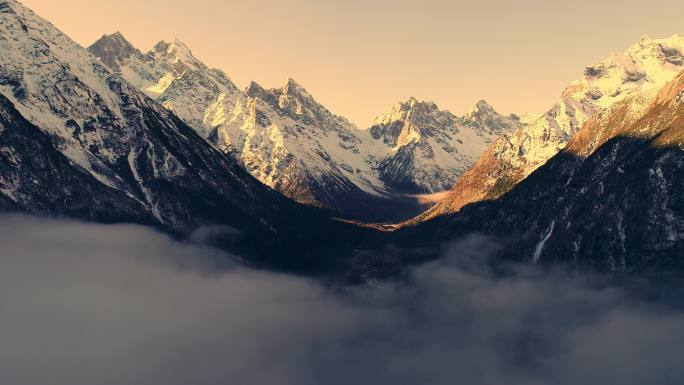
pixel 408 121
pixel 416 104
pixel 293 95
pixel 255 91
pixel 290 88
pixel 481 110
pixel 409 109
pixel 293 88
pixel 484 117
pixel 295 102
pixel 482 107
pixel 173 47
pixel 174 52
pixel 113 49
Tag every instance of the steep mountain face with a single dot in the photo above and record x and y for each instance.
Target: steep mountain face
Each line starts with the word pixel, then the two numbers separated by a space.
pixel 79 141
pixel 642 70
pixel 428 149
pixel 290 142
pixel 37 177
pixel 295 145
pixel 611 201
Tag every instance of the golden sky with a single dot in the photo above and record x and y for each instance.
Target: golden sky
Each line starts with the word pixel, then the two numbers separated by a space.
pixel 359 57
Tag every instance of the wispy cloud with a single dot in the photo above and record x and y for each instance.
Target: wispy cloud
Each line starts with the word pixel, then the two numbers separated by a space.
pixel 94 304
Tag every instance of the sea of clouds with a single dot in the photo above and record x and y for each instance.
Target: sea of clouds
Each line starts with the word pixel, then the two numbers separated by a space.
pixel 122 304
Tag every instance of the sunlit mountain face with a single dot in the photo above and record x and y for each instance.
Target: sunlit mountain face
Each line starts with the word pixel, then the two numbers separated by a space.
pixel 292 143
pixel 636 75
pixel 161 225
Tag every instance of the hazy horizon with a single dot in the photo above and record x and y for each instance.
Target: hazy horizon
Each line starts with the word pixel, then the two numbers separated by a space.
pixel 360 59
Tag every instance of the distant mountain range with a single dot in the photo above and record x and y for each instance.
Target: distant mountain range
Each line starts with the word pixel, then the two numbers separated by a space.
pixel 159 139
pixel 290 142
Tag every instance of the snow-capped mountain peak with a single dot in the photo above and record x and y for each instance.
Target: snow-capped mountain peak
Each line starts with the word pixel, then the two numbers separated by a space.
pixel 429 147
pixel 295 99
pixel 170 74
pixel 403 109
pixel 483 117
pixel 408 121
pixel 648 64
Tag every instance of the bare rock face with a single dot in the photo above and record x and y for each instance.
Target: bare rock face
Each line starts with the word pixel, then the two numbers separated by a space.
pixel 114 50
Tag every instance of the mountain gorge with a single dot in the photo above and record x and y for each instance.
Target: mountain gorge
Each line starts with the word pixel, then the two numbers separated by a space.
pixel 290 142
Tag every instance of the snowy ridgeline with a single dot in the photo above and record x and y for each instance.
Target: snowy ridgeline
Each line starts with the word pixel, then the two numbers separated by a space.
pixel 282 136
pixel 290 142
